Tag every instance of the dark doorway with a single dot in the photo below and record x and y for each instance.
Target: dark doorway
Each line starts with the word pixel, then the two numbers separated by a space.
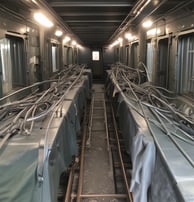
pixel 97 64
pixel 162 69
pixel 134 56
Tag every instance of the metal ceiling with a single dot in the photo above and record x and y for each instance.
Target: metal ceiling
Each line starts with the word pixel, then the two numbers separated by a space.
pixel 96 22
pixel 93 21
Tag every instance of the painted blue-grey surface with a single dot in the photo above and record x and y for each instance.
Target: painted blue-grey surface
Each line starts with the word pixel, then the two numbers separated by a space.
pixel 24 162
pixel 160 171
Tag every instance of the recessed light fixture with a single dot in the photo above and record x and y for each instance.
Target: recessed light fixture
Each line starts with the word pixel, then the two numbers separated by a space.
pixel 74 43
pixel 147 24
pixel 43 20
pixel 66 39
pixel 129 36
pixel 58 33
pixel 153 32
pixel 120 39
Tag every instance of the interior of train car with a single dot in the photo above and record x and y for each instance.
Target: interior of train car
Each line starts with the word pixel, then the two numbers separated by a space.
pixel 97 101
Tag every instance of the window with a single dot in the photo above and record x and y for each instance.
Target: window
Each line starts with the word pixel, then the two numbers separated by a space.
pixel 185 64
pixel 55 57
pixel 134 55
pixel 75 56
pixel 116 53
pixel 163 59
pixel 127 55
pixel 70 55
pixel 121 55
pixel 65 51
pixel 17 61
pixel 149 59
pixel 12 63
pixel 1 92
pixel 5 57
pixel 95 55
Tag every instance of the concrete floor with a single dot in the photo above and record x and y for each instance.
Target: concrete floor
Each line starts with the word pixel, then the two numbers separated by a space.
pixel 98 175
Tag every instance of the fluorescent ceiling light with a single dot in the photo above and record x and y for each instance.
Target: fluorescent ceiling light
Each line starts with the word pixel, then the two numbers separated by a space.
pixel 147 24
pixel 120 39
pixel 24 30
pixel 114 43
pixel 129 36
pixel 74 43
pixel 66 39
pixel 153 32
pixel 43 20
pixel 58 33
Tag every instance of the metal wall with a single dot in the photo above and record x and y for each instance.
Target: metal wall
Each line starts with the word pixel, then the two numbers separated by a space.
pixel 30 53
pixel 167 55
pixel 18 42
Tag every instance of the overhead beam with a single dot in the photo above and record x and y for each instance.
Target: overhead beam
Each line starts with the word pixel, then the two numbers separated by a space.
pixel 89 4
pixel 65 14
pixel 93 27
pixel 93 21
pixel 93 31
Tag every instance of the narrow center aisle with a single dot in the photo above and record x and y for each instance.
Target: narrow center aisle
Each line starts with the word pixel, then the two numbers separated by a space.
pixel 98 174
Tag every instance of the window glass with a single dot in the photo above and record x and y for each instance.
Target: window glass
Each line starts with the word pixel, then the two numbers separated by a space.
pixel 185 63
pixel 55 57
pixel 134 55
pixel 12 63
pixel 95 55
pixel 65 59
pixel 162 68
pixel 18 61
pixel 5 57
pixel 149 59
pixel 127 55
pixel 70 55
